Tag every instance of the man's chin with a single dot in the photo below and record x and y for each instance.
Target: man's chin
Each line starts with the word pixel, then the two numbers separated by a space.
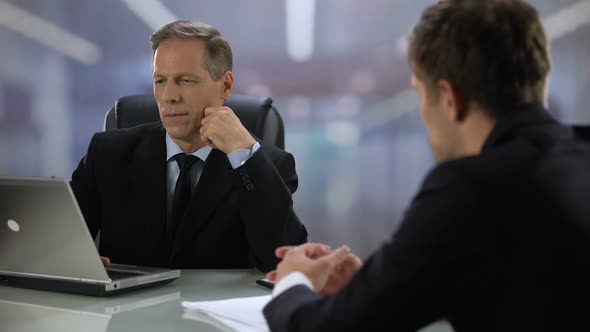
pixel 182 134
pixel 177 132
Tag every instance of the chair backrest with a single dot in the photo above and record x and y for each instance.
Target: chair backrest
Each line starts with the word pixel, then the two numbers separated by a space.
pixel 257 114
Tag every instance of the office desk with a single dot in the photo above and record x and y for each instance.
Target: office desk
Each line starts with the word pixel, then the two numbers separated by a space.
pixel 153 309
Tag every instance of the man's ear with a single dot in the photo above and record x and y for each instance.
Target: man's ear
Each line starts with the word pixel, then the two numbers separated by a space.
pixel 227 84
pixel 453 101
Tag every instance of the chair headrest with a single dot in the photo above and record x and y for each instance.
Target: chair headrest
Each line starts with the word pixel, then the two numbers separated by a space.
pixel 134 110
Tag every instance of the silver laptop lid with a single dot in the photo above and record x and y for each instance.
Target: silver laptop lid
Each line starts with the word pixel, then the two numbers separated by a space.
pixel 43 232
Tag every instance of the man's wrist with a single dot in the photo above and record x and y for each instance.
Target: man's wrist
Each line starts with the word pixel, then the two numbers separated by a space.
pixel 246 145
pixel 238 157
pixel 291 280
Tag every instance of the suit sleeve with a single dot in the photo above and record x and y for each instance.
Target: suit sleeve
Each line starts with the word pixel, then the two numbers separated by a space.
pixel 406 284
pixel 266 206
pixel 85 189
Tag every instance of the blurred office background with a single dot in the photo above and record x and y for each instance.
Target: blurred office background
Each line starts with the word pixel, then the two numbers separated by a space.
pixel 335 68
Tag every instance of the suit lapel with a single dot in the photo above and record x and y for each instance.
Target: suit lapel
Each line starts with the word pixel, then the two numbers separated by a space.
pixel 147 177
pixel 214 185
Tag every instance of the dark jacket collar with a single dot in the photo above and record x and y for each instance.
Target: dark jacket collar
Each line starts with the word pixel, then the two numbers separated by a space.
pixel 520 116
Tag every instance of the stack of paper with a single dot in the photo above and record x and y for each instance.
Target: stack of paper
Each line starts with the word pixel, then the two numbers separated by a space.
pixel 239 314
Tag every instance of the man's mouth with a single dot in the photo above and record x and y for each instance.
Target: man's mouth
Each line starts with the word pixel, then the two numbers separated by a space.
pixel 175 115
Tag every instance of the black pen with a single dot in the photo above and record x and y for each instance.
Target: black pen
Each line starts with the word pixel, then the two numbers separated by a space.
pixel 265 283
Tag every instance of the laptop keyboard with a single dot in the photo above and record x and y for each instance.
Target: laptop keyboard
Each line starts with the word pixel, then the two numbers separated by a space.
pixel 116 275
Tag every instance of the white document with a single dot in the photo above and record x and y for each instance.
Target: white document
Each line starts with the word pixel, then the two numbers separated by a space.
pixel 238 314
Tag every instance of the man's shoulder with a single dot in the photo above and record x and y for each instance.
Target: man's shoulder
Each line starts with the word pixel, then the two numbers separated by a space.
pixel 132 134
pixel 123 140
pixel 488 169
pixel 512 163
pixel 272 151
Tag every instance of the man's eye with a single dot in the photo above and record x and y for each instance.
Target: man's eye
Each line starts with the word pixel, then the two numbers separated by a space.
pixel 159 82
pixel 187 81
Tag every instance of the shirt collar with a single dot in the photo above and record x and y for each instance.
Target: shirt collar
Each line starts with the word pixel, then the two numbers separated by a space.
pixel 173 149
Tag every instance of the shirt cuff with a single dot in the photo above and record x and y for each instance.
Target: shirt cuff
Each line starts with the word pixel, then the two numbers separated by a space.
pixel 239 157
pixel 291 280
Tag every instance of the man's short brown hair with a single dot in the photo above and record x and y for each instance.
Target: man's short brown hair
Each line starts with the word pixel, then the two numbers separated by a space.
pixel 218 53
pixel 494 52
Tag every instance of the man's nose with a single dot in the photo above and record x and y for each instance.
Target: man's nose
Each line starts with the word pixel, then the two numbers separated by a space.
pixel 171 93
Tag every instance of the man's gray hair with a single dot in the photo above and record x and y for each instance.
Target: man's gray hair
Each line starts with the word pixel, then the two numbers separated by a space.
pixel 218 54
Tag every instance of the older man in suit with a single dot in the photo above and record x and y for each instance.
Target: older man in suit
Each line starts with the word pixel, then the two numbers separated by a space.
pixel 195 190
pixel 498 236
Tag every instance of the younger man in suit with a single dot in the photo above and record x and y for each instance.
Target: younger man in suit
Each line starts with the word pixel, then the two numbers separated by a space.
pixel 195 190
pixel 498 236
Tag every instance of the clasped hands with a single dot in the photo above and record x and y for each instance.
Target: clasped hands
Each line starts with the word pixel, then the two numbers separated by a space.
pixel 328 270
pixel 222 129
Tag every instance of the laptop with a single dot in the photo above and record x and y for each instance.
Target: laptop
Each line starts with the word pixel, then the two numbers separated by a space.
pixel 45 244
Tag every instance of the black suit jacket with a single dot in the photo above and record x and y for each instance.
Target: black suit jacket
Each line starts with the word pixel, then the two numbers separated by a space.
pixel 494 242
pixel 236 218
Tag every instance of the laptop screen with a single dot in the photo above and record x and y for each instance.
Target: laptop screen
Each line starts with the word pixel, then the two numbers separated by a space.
pixel 43 233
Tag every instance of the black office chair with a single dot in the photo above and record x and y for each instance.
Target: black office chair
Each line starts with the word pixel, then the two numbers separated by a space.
pixel 583 132
pixel 257 114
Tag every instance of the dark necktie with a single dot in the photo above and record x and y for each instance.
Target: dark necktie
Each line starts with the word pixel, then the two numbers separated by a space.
pixel 182 193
